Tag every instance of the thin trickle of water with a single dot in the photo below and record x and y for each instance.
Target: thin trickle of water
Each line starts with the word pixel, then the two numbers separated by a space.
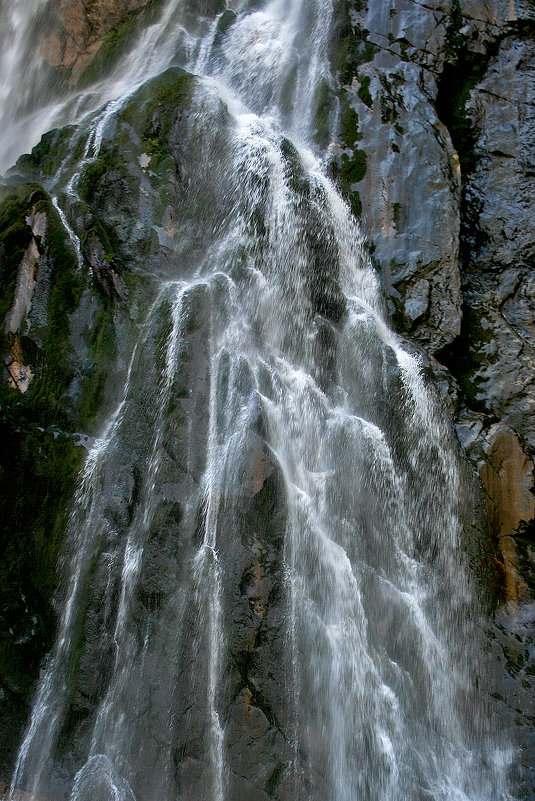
pixel 293 376
pixel 44 722
pixel 74 239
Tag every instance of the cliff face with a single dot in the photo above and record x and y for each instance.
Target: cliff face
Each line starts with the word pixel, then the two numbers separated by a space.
pixel 87 37
pixel 445 98
pixel 436 155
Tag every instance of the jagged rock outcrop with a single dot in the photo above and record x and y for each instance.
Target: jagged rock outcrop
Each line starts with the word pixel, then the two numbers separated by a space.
pixel 410 192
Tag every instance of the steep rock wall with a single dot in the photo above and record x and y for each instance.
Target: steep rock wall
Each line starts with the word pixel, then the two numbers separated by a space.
pixel 444 98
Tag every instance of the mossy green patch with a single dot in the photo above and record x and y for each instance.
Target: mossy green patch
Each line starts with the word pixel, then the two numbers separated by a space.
pixel 356 203
pixel 354 169
pixel 51 357
pixel 295 173
pixel 349 126
pixel 102 347
pixel 38 473
pixel 49 154
pixel 15 237
pixel 351 45
pixel 343 179
pixel 156 106
pixel 90 178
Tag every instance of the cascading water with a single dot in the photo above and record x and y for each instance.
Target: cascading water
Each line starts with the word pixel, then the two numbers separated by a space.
pixel 310 442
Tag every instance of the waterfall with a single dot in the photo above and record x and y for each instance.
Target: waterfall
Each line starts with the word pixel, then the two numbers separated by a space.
pixel 268 413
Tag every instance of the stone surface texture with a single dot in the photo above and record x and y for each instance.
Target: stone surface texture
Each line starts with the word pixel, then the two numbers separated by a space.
pixel 79 28
pixel 445 98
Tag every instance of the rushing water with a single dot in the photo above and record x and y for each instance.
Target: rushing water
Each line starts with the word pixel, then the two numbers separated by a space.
pixel 378 652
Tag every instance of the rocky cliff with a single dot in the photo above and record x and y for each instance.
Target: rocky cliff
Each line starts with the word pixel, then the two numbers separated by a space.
pixel 436 155
pixel 440 97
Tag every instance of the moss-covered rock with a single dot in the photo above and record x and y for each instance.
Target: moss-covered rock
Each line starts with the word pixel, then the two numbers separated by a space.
pixel 38 471
pixel 39 460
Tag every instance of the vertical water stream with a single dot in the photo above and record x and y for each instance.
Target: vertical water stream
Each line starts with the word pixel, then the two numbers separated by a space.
pixel 306 390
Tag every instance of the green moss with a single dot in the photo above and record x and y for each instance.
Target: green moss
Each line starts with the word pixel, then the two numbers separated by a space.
pixel 404 45
pixel 102 346
pixel 49 154
pixel 349 126
pixel 156 106
pixel 350 43
pixel 356 203
pixel 37 479
pixel 364 90
pixel 354 169
pixel 15 237
pixel 63 299
pixel 295 173
pixel 90 177
pixel 343 177
pixel 50 359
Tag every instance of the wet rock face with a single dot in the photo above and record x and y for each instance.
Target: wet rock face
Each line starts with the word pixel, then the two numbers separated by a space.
pixel 442 103
pixel 411 189
pixel 499 271
pixel 80 28
pixel 142 214
pixel 441 99
pixel 507 476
